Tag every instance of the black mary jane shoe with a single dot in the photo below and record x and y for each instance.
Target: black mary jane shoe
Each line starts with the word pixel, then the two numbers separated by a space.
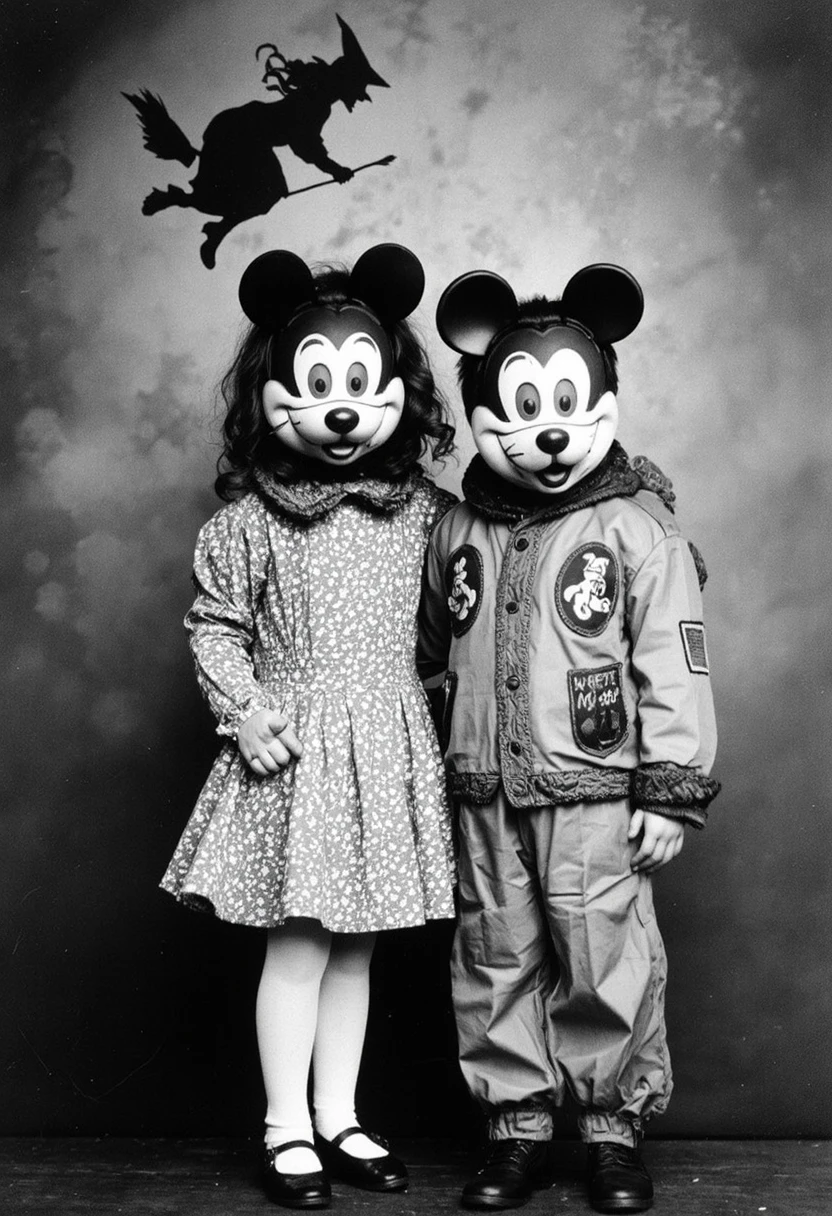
pixel 294 1190
pixel 513 1169
pixel 385 1173
pixel 618 1180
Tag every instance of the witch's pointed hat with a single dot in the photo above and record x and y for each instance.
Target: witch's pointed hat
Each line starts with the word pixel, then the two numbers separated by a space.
pixel 353 63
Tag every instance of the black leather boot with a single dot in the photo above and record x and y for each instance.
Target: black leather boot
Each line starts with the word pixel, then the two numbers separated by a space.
pixel 513 1169
pixel 618 1181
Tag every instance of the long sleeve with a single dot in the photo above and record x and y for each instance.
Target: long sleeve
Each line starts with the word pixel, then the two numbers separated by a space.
pixel 229 580
pixel 434 627
pixel 677 727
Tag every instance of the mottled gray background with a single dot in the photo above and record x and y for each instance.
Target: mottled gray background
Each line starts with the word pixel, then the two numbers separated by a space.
pixel 688 140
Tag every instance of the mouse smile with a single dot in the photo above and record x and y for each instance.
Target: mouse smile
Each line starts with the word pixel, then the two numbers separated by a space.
pixel 341 450
pixel 555 475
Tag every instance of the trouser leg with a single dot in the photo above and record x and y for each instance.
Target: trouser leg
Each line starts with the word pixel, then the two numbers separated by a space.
pixel 557 880
pixel 605 1016
pixel 501 975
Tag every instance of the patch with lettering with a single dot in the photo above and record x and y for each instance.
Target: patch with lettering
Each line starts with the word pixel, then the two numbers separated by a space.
pixel 463 584
pixel 586 591
pixel 596 706
pixel 696 652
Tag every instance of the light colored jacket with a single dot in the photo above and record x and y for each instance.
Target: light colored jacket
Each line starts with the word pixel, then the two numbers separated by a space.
pixel 576 657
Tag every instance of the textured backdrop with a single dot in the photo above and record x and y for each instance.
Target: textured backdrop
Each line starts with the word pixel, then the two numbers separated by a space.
pixel 688 140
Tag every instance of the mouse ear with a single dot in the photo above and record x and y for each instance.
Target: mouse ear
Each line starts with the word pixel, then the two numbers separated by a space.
pixel 605 298
pixel 390 279
pixel 474 308
pixel 273 286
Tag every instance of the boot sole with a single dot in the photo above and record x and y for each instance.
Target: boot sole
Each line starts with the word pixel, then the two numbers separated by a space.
pixel 302 1205
pixel 497 1201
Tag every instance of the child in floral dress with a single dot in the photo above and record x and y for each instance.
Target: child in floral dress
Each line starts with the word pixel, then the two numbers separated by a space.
pixel 324 818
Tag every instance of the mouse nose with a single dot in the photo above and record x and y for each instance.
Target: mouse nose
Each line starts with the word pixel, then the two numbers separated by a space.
pixel 552 441
pixel 342 421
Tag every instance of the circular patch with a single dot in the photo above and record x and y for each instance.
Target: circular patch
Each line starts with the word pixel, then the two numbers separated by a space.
pixel 463 584
pixel 586 591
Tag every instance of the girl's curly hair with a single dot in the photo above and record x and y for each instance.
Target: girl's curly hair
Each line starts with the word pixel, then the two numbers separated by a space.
pixel 249 445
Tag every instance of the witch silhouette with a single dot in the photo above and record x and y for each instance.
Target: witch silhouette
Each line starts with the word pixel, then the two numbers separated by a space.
pixel 238 175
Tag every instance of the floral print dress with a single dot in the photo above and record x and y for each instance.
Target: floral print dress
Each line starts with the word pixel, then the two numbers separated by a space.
pixel 306 603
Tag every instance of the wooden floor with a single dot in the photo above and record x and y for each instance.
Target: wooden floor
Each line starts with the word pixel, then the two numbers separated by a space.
pixel 209 1177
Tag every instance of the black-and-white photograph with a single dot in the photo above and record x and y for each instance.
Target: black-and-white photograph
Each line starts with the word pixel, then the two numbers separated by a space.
pixel 417 480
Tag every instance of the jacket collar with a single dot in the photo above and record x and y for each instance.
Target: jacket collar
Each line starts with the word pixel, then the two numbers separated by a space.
pixel 308 500
pixel 496 499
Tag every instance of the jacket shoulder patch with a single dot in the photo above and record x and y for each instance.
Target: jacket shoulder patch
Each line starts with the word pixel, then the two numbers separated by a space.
pixel 696 651
pixel 463 584
pixel 596 706
pixel 587 588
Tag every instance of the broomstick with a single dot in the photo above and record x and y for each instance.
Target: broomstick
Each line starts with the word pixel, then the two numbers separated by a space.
pixel 330 181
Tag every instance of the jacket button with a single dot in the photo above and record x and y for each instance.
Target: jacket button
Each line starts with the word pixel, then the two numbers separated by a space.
pixel 513 682
pixel 512 606
pixel 515 748
pixel 521 543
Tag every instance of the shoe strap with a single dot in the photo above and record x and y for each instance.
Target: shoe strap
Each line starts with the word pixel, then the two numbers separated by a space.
pixel 357 1131
pixel 274 1149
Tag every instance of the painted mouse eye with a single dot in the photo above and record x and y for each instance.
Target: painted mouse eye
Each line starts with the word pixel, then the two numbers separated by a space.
pixel 566 398
pixel 357 379
pixel 319 380
pixel 527 401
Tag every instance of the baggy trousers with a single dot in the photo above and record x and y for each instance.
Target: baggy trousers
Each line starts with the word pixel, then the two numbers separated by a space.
pixel 558 971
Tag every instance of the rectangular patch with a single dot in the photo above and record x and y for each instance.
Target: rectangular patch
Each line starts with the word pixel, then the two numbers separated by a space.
pixel 696 652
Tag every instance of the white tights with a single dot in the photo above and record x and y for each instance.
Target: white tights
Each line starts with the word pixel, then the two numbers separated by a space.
pixel 312 1009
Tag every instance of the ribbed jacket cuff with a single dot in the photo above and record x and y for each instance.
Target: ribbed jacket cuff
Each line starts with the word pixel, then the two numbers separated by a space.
pixel 674 791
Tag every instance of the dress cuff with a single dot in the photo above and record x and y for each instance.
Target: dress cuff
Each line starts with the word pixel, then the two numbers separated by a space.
pixel 231 721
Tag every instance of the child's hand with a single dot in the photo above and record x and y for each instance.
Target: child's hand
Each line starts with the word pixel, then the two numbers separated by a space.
pixel 661 840
pixel 267 742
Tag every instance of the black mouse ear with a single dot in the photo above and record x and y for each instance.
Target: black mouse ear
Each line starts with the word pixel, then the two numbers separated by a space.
pixel 474 308
pixel 605 298
pixel 390 279
pixel 273 286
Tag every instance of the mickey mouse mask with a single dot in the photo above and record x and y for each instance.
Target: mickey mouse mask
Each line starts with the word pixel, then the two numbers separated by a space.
pixel 537 391
pixel 332 394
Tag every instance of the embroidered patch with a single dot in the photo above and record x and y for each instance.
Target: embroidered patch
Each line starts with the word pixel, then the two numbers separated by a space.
pixel 696 652
pixel 596 706
pixel 463 583
pixel 586 591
